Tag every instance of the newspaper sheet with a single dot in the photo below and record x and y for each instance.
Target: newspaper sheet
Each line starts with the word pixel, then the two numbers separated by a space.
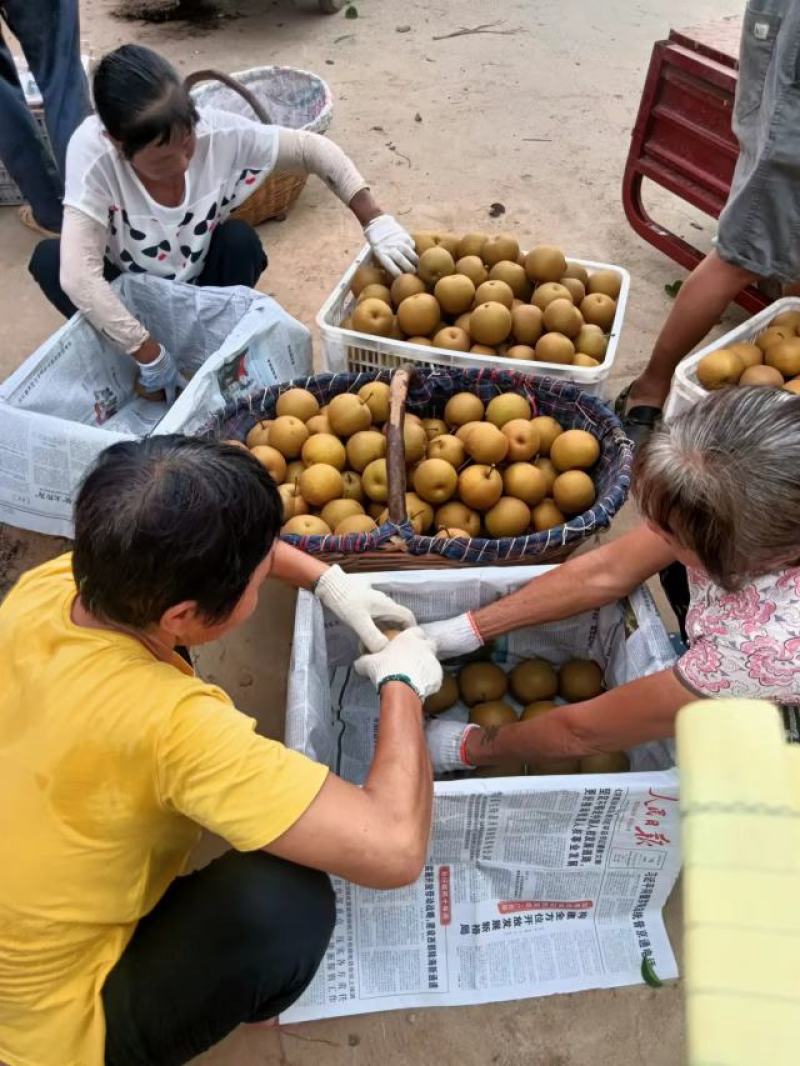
pixel 75 395
pixel 533 885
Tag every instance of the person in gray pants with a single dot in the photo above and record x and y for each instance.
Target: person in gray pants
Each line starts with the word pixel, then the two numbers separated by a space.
pixel 759 228
pixel 49 35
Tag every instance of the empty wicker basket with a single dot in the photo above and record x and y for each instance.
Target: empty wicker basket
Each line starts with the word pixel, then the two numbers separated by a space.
pixel 283 96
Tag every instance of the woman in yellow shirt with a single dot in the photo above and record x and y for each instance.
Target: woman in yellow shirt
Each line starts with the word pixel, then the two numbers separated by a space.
pixel 113 755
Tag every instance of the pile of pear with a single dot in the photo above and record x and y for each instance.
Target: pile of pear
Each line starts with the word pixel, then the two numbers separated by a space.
pixel 494 698
pixel 771 359
pixel 480 470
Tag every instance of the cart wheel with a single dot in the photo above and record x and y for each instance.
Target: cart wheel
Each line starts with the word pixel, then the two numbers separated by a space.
pixel 330 7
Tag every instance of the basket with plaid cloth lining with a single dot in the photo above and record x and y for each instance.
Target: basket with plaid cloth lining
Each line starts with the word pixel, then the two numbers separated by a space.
pixel 395 544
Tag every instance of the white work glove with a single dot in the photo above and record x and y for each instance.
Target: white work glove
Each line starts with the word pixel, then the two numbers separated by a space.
pixel 391 245
pixel 447 743
pixel 162 373
pixel 454 636
pixel 360 606
pixel 409 658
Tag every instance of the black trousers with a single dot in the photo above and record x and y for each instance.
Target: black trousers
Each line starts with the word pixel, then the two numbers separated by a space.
pixel 237 941
pixel 235 257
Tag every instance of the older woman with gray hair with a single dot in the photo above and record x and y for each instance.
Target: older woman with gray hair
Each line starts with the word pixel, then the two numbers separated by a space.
pixel 719 491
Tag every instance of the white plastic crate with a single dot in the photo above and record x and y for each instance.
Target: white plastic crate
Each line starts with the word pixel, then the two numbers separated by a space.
pixel 686 389
pixel 347 349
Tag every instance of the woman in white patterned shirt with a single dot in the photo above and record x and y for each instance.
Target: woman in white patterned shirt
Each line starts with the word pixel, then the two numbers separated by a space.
pixel 151 180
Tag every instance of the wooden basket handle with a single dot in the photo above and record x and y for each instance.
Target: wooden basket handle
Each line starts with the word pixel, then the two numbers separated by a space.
pixel 232 83
pixel 395 448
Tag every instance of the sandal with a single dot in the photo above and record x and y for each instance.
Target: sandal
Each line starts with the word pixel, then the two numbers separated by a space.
pixel 638 422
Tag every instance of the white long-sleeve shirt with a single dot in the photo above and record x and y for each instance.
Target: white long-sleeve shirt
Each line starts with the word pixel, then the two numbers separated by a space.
pixel 109 215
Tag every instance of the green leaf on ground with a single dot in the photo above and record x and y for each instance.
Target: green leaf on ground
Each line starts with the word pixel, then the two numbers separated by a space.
pixel 351 12
pixel 672 288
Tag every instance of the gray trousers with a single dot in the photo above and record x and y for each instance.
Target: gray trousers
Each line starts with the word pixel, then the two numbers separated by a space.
pixel 759 229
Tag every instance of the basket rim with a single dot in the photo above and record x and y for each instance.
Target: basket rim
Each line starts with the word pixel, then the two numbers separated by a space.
pixel 252 73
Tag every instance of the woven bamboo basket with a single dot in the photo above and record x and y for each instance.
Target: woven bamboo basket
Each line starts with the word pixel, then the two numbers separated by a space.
pixel 284 96
pixel 395 545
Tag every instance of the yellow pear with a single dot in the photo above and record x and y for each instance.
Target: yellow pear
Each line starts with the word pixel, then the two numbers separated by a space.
pixel 363 447
pixel 336 511
pixel 463 407
pixel 480 487
pixel 435 480
pixel 356 523
pixel 300 403
pixel 374 481
pixel 509 517
pixel 457 515
pixel 259 434
pixel 320 483
pixel 487 444
pixel 548 429
pixel 324 448
pixel 574 450
pixel 449 448
pixel 376 396
pixel 526 482
pixel 348 413
pixel 306 525
pixel 272 459
pixel 288 434
pixel 504 408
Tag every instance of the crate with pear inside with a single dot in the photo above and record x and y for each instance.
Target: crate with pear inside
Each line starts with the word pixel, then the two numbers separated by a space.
pixel 460 468
pixel 763 352
pixel 478 300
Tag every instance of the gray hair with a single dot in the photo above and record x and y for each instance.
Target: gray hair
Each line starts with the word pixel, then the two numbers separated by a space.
pixel 724 479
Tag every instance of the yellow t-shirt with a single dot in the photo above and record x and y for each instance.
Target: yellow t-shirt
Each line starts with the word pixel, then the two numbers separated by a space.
pixel 110 761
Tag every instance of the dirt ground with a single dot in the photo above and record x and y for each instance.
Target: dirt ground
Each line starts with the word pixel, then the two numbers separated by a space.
pixel 539 120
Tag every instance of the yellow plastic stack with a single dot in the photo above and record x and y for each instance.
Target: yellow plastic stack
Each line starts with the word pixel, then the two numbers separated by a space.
pixel 740 801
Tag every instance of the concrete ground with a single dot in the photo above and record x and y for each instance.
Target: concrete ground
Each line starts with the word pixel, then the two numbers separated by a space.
pixel 538 119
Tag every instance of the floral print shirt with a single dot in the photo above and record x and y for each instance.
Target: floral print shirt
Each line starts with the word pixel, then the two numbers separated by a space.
pixel 744 643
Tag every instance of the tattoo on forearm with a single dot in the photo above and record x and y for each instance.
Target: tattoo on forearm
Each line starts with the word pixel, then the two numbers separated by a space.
pixel 488 735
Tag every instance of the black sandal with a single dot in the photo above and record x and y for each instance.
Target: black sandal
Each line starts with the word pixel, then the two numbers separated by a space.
pixel 640 421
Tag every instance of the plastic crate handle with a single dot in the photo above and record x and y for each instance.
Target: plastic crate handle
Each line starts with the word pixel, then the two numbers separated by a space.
pixel 232 83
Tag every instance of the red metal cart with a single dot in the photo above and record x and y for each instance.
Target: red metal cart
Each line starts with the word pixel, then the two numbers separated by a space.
pixel 682 139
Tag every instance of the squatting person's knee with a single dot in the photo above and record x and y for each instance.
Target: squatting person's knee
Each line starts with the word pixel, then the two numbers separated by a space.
pixel 45 262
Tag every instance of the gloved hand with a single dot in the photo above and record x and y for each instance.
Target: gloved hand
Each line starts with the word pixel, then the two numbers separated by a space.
pixel 162 373
pixel 391 245
pixel 454 636
pixel 360 606
pixel 447 743
pixel 410 658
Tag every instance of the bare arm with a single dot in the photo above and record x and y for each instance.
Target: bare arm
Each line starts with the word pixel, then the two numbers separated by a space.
pixel 632 714
pixel 295 567
pixel 376 835
pixel 585 582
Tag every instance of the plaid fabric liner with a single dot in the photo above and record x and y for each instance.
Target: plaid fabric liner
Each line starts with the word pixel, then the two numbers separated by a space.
pixel 427 396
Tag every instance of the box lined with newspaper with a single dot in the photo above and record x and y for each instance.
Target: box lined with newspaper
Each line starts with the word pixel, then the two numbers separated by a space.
pixel 533 885
pixel 75 395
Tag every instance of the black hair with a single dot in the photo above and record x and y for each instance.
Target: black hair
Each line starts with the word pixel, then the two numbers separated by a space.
pixel 167 519
pixel 140 98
